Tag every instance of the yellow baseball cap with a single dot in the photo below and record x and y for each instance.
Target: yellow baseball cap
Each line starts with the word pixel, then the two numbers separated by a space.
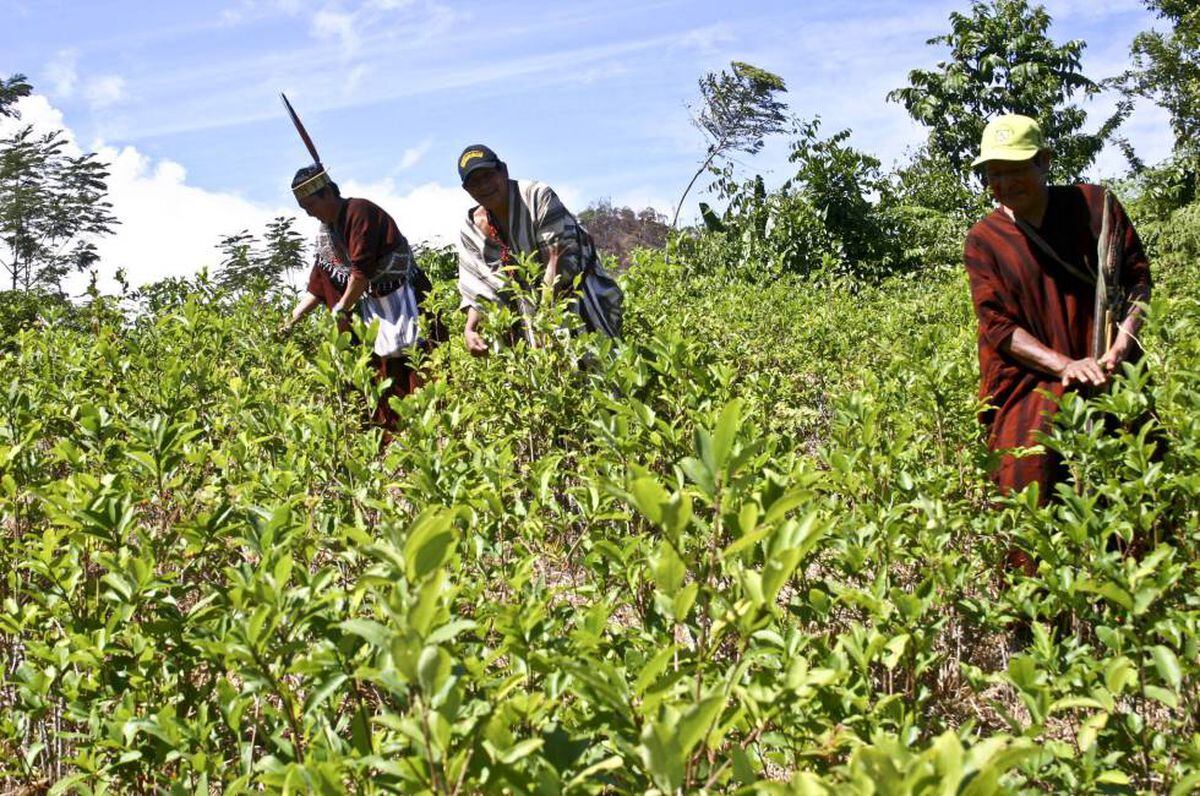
pixel 1010 137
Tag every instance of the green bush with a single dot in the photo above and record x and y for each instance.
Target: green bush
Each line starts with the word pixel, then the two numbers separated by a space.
pixel 751 546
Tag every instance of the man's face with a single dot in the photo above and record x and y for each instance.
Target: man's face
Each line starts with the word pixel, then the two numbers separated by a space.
pixel 487 186
pixel 323 206
pixel 1016 184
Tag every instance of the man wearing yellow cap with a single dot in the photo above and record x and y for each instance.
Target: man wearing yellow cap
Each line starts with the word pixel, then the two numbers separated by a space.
pixel 1033 270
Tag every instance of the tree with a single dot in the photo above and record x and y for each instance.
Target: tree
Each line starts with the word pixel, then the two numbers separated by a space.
pixel 12 90
pixel 283 248
pixel 738 110
pixel 620 230
pixel 1002 61
pixel 1167 67
pixel 239 260
pixel 839 181
pixel 52 205
pixel 244 261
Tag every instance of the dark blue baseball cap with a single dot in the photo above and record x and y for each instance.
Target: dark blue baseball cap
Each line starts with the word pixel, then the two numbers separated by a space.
pixel 477 156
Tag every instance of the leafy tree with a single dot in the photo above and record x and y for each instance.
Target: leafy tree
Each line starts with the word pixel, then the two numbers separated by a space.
pixel 52 205
pixel 620 230
pixel 829 219
pixel 12 90
pixel 1167 67
pixel 1003 61
pixel 839 182
pixel 738 110
pixel 239 259
pixel 283 247
pixel 245 261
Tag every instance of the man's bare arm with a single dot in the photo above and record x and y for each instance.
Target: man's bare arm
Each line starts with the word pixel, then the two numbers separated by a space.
pixel 306 305
pixel 355 287
pixel 1030 352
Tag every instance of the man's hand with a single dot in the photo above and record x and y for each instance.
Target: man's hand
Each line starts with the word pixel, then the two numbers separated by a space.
pixel 475 343
pixel 284 329
pixel 1117 353
pixel 1084 371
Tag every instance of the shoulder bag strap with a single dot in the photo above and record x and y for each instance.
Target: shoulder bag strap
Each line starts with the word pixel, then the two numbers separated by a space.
pixel 1032 234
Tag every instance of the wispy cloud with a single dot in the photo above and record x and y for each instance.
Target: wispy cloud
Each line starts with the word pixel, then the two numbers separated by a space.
pixel 242 99
pixel 104 90
pixel 63 73
pixel 414 154
pixel 159 210
pixel 248 11
pixel 707 39
pixel 332 23
pixel 356 76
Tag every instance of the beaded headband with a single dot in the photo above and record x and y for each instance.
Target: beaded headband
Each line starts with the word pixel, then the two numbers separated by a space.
pixel 311 185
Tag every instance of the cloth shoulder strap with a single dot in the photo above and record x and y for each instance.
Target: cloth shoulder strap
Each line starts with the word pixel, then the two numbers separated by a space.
pixel 1041 243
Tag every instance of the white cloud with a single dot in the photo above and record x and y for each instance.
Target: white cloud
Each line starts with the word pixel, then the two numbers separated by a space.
pixel 104 90
pixel 429 213
pixel 246 11
pixel 62 72
pixel 331 24
pixel 357 75
pixel 413 154
pixel 170 227
pixel 708 39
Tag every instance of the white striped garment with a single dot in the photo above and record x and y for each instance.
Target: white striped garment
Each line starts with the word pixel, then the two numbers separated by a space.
pixel 537 221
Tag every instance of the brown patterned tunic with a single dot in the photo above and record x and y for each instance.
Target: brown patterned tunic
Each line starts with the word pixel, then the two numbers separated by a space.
pixel 1015 284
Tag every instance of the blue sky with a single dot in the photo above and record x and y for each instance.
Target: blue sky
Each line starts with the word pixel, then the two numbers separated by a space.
pixel 588 96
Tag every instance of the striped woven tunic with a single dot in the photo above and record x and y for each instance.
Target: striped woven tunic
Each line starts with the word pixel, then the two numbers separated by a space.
pixel 1015 284
pixel 537 222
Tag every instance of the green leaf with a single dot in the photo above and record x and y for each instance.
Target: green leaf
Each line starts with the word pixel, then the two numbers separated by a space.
pixel 1167 665
pixel 895 647
pixel 360 730
pixel 667 569
pixel 1163 695
pixel 779 509
pixel 120 586
pixel 726 431
pixel 520 750
pixel 779 567
pixel 433 670
pixel 607 764
pixel 1119 674
pixel 683 601
pixel 372 632
pixel 1187 786
pixel 743 769
pixel 430 542
pixel 649 497
pixel 1089 730
pixel 653 668
pixel 318 695
pixel 748 517
pixel 662 756
pixel 676 515
pixel 696 721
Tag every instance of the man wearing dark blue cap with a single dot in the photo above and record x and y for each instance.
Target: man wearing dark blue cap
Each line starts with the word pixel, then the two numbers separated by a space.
pixel 514 218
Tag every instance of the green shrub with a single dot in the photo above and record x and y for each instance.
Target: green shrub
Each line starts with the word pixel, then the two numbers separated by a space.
pixel 752 545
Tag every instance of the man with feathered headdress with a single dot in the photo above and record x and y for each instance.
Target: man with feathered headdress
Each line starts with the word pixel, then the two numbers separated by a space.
pixel 364 265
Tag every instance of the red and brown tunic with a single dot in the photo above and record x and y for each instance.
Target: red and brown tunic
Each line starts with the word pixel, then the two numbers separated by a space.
pixel 1015 284
pixel 367 234
pixel 366 241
